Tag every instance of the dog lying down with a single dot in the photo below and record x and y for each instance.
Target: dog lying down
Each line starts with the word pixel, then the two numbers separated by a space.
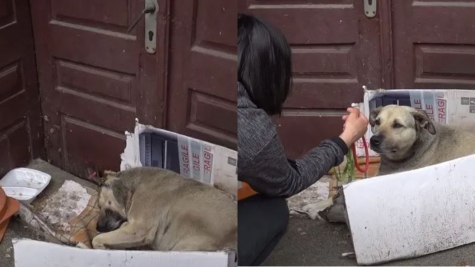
pixel 406 139
pixel 161 210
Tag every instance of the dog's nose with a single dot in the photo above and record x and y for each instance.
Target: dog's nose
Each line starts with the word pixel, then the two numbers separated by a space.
pixel 375 140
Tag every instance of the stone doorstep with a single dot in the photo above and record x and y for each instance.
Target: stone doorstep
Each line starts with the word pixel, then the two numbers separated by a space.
pixel 18 228
pixel 58 177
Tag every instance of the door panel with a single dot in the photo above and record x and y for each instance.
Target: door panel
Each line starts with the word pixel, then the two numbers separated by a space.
pixel 95 79
pixel 434 44
pixel 336 50
pixel 203 69
pixel 21 134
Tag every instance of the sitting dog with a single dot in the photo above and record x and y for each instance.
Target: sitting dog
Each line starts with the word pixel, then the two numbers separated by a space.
pixel 407 139
pixel 157 208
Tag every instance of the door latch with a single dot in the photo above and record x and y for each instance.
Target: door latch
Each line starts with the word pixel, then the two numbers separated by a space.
pixel 150 14
pixel 370 8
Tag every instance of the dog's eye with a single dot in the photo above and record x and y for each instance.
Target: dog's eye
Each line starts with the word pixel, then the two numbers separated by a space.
pixel 397 125
pixel 377 122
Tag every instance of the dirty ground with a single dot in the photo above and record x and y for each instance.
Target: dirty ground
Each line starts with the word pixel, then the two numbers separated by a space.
pixel 16 229
pixel 316 243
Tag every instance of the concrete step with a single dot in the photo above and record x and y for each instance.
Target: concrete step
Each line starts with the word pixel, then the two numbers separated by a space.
pixel 19 229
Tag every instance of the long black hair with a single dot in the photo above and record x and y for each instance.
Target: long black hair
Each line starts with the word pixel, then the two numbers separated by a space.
pixel 264 63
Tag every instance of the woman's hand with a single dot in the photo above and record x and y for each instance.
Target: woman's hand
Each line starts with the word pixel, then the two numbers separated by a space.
pixel 355 126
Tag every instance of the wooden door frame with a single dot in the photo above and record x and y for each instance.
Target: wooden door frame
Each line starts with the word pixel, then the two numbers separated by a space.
pixel 21 120
pixel 386 43
pixel 156 99
pixel 162 65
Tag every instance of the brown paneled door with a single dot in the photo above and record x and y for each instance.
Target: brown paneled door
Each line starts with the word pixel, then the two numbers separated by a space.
pixel 21 133
pixel 336 50
pixel 434 44
pixel 95 78
pixel 203 69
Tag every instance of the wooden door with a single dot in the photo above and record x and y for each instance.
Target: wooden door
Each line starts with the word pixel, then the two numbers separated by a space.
pixel 434 44
pixel 21 133
pixel 95 78
pixel 336 50
pixel 203 70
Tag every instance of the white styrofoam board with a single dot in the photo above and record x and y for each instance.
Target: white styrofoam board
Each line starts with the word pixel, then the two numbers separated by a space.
pixel 414 213
pixel 30 253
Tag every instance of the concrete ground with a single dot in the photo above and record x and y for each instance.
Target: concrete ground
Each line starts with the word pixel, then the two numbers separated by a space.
pixel 316 243
pixel 19 229
pixel 16 229
pixel 307 242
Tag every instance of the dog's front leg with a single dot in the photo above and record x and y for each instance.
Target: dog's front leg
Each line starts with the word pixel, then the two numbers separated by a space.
pixel 127 236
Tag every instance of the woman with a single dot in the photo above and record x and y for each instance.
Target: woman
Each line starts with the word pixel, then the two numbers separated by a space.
pixel 264 75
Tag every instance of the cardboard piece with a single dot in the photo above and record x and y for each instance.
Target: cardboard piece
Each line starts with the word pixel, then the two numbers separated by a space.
pixel 245 191
pixel 149 146
pixel 192 158
pixel 447 106
pixel 413 213
pixel 30 253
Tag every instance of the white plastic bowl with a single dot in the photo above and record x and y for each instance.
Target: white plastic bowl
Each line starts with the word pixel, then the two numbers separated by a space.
pixel 24 184
pixel 21 193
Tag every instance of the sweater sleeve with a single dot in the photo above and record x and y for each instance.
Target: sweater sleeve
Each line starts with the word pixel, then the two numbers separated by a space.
pixel 272 174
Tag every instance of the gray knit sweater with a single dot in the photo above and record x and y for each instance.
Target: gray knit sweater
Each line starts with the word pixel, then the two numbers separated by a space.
pixel 262 162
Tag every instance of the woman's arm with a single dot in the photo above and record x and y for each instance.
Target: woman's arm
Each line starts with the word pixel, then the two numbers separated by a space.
pixel 270 172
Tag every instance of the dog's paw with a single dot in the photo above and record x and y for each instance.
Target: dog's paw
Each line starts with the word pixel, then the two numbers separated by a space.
pixel 313 209
pixel 97 244
pixel 81 245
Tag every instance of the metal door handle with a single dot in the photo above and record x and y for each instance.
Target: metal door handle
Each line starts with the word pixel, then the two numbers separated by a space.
pixel 150 13
pixel 370 8
pixel 150 9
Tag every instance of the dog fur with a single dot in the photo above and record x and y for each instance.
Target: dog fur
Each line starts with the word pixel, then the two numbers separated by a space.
pixel 407 139
pixel 162 210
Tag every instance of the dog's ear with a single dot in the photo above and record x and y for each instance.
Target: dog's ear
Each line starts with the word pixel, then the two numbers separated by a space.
pixel 373 115
pixel 424 121
pixel 109 176
pixel 120 192
pixel 95 177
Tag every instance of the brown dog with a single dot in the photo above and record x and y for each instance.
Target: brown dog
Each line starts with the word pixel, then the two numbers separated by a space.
pixel 160 209
pixel 407 139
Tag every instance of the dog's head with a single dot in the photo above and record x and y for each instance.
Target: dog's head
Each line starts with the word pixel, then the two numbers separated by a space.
pixel 396 129
pixel 112 201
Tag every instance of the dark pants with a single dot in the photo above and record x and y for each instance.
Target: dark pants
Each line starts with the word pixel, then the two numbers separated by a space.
pixel 262 222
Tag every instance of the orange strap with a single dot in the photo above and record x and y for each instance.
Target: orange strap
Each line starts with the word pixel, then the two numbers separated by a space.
pixel 357 165
pixel 245 191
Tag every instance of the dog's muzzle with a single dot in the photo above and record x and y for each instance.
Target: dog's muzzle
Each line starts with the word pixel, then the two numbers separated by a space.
pixel 109 221
pixel 375 142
